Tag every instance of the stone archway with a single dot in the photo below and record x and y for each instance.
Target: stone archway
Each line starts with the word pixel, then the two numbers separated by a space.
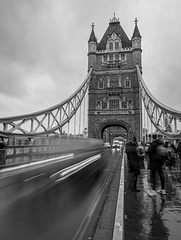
pixel 111 123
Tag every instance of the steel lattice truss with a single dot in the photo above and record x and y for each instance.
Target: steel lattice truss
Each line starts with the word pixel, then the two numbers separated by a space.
pixel 45 121
pixel 164 118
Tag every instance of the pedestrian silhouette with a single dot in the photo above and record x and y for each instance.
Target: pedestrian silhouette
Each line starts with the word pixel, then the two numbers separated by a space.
pixel 157 157
pixel 134 164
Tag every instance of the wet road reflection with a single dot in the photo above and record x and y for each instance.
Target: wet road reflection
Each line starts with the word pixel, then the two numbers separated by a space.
pixel 154 217
pixel 54 210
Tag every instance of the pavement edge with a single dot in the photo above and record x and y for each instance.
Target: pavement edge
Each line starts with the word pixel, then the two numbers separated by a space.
pixel 118 233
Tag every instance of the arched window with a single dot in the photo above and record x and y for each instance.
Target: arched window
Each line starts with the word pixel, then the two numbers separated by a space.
pixel 110 46
pixel 116 45
pixel 98 105
pixel 130 104
pixel 114 82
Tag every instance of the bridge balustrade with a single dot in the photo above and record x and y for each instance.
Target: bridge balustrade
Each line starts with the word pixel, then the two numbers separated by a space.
pixel 28 153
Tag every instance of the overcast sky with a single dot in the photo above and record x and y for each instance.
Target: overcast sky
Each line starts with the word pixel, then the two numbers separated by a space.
pixel 43 48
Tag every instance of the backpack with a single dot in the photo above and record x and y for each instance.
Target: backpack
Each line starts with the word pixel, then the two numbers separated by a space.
pixel 162 153
pixel 141 151
pixel 172 154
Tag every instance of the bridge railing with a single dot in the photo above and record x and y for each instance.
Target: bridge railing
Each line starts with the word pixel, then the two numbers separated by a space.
pixel 15 155
pixel 164 119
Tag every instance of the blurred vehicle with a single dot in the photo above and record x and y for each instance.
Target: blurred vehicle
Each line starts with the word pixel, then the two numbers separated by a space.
pixel 116 144
pixel 107 145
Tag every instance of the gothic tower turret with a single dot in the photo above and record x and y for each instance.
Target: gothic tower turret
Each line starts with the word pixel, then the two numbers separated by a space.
pixel 92 48
pixel 114 99
pixel 136 45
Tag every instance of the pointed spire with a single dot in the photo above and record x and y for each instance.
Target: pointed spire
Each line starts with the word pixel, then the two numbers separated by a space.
pixel 114 19
pixel 92 37
pixel 136 32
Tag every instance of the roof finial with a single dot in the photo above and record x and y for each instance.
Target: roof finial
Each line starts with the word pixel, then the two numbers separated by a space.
pixel 92 26
pixel 136 20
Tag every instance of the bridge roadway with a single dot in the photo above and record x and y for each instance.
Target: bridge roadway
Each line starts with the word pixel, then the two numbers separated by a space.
pixel 39 204
pixel 55 198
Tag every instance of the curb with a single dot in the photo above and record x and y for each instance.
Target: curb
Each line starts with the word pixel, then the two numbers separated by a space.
pixel 118 233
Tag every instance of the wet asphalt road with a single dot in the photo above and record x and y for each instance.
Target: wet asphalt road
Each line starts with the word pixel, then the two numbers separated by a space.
pixel 39 210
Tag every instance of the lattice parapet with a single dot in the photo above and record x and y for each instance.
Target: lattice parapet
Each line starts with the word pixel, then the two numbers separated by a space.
pixel 165 119
pixel 48 120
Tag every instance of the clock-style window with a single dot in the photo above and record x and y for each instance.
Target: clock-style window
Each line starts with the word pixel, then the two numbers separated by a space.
pixel 114 82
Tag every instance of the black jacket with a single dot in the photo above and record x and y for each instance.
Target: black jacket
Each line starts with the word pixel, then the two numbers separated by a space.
pixel 157 154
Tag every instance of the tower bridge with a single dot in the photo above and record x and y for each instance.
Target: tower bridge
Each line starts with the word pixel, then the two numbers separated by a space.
pixel 113 94
pixel 65 144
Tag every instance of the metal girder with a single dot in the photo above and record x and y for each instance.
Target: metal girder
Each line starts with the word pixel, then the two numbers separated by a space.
pixel 164 118
pixel 48 120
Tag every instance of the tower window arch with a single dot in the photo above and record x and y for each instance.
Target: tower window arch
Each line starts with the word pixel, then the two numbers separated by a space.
pixel 116 45
pixel 110 46
pixel 98 105
pixel 130 104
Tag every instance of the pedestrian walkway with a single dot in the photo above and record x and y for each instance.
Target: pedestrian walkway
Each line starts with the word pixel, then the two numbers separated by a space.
pixel 153 217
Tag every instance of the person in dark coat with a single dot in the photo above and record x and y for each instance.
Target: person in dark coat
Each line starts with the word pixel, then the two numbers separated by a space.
pixel 178 149
pixel 157 157
pixel 2 151
pixel 171 162
pixel 134 164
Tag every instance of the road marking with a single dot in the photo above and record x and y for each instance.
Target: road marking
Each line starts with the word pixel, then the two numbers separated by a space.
pixel 29 179
pixel 67 172
pixel 80 233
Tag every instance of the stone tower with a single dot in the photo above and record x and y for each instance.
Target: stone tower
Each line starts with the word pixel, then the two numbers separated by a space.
pixel 114 98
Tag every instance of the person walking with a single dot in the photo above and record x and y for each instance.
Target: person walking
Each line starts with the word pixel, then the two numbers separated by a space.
pixel 141 153
pixel 157 157
pixel 171 161
pixel 134 164
pixel 2 151
pixel 178 149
